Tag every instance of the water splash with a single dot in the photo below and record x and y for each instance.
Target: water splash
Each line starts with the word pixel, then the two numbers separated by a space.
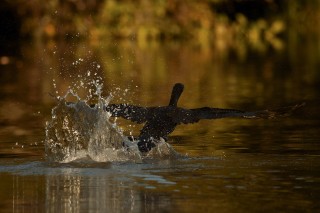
pixel 77 130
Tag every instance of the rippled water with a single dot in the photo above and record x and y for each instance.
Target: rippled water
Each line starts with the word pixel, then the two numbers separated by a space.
pixel 227 165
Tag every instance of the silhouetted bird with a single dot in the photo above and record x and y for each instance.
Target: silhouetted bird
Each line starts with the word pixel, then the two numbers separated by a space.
pixel 161 121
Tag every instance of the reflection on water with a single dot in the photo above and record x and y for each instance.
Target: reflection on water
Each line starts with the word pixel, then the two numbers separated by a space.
pixel 69 188
pixel 254 182
pixel 233 165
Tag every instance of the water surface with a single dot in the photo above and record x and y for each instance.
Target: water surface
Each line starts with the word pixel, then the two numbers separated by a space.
pixel 228 165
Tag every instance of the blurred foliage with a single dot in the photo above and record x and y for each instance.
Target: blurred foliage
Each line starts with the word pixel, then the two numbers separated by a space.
pixel 207 21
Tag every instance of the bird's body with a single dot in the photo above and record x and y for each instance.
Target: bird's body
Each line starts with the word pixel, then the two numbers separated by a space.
pixel 161 121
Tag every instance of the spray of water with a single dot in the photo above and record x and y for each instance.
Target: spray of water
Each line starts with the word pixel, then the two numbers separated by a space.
pixel 78 131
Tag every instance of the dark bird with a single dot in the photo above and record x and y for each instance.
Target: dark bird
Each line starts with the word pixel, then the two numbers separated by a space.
pixel 161 121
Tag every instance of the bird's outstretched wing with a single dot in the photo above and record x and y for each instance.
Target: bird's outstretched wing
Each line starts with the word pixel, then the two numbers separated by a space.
pixel 187 116
pixel 275 113
pixel 130 112
pixel 194 115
